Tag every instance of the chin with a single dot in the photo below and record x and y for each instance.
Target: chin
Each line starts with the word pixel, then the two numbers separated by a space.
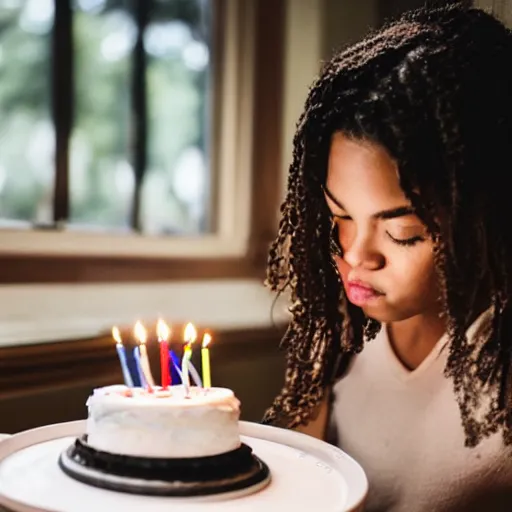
pixel 385 315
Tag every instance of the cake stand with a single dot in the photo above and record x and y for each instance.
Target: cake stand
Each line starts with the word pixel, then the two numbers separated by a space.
pixel 306 474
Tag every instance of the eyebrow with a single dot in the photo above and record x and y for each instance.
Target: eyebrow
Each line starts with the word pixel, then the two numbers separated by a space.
pixel 393 213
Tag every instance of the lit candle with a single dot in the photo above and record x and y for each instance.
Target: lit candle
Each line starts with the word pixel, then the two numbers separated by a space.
pixel 191 370
pixel 195 375
pixel 138 365
pixel 205 358
pixel 190 336
pixel 121 353
pixel 175 367
pixel 141 336
pixel 163 333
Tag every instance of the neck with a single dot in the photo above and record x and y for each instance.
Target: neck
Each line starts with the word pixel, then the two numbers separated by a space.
pixel 413 339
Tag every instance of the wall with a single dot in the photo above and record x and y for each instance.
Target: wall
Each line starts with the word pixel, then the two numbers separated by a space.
pixel 314 29
pixel 346 22
pixel 502 9
pixel 247 361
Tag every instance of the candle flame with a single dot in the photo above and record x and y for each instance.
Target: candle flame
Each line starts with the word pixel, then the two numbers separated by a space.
pixel 162 330
pixel 140 333
pixel 116 335
pixel 190 333
pixel 206 339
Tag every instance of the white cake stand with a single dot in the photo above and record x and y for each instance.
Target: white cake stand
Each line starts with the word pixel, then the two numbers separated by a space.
pixel 306 474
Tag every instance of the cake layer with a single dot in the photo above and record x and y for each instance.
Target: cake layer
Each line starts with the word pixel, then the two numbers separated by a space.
pixel 163 423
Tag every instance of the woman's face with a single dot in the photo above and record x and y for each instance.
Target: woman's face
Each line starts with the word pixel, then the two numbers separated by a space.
pixel 387 266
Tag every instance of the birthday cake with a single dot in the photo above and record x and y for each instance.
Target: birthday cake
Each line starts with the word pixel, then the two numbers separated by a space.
pixel 176 441
pixel 170 440
pixel 160 423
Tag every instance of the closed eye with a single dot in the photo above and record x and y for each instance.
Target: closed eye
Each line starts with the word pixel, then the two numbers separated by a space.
pixel 408 242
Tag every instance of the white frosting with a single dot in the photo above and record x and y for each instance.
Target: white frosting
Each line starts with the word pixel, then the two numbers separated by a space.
pixel 164 423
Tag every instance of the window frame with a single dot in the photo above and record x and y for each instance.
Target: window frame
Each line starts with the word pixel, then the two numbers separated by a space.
pixel 247 166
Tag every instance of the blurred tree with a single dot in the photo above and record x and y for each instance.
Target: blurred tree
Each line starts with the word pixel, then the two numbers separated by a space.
pixel 100 155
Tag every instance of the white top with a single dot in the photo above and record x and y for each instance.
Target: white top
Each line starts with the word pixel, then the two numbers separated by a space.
pixel 404 428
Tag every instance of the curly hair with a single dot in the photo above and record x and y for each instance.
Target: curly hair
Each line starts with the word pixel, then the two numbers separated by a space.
pixel 434 87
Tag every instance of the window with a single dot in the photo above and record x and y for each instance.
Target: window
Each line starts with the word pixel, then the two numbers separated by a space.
pixel 130 130
pixel 136 78
pixel 26 158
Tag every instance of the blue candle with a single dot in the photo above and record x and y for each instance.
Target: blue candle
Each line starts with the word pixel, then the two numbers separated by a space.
pixel 175 365
pixel 124 366
pixel 121 353
pixel 132 367
pixel 136 356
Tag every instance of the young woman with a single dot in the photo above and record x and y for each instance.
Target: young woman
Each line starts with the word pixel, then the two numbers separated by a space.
pixel 396 246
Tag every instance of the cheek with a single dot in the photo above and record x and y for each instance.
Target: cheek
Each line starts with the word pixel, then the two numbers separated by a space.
pixel 415 273
pixel 346 234
pixel 343 268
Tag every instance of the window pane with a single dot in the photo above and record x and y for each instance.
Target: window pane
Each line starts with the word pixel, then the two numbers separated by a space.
pixel 176 194
pixel 101 174
pixel 26 129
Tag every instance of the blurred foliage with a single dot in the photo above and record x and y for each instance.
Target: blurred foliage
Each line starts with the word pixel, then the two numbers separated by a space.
pixel 101 146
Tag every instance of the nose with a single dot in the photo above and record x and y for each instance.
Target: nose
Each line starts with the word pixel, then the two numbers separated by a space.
pixel 360 252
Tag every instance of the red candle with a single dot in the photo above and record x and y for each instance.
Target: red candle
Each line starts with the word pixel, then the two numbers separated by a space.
pixel 163 333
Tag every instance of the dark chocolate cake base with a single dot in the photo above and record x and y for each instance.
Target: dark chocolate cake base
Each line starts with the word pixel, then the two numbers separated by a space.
pixel 218 474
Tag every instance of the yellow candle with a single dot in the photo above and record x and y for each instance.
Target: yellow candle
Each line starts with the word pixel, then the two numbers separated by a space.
pixel 205 358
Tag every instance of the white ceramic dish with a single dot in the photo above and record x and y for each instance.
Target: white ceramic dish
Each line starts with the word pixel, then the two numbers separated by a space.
pixel 306 473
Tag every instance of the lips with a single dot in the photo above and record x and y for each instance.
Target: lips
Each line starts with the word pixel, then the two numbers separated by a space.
pixel 360 293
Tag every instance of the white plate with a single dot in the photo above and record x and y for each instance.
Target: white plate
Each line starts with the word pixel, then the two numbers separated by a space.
pixel 307 474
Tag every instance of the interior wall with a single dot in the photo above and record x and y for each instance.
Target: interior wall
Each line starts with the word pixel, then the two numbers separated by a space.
pixel 502 9
pixel 346 23
pixel 254 372
pixel 314 30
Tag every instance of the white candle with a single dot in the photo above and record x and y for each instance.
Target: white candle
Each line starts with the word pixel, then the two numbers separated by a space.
pixel 195 375
pixel 185 376
pixel 189 336
pixel 142 336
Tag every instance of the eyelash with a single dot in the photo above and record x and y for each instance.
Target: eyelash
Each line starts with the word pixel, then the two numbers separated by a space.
pixel 407 242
